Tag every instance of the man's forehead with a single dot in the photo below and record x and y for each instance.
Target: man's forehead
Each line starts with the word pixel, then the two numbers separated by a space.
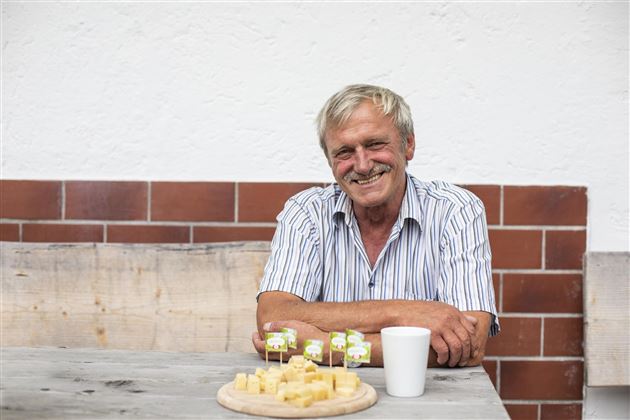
pixel 366 113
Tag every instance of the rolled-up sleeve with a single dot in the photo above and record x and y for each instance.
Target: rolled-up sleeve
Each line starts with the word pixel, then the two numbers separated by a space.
pixel 465 266
pixel 294 264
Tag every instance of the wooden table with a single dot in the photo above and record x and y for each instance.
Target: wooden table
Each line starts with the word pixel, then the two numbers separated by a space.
pixel 88 383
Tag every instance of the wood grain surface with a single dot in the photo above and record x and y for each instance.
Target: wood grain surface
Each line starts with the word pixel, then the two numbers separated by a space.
pixel 265 404
pixel 607 318
pixel 137 297
pixel 62 383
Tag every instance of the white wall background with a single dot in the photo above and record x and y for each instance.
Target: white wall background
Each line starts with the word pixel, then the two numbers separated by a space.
pixel 502 92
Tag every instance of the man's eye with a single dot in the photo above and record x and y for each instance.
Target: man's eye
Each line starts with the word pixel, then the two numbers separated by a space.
pixel 377 145
pixel 343 154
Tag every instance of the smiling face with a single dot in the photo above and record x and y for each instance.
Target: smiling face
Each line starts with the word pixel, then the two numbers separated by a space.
pixel 368 159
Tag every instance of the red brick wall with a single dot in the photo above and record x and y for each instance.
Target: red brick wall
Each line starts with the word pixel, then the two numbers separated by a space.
pixel 537 234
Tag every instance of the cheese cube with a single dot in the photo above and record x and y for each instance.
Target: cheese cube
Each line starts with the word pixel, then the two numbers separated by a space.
pixel 304 391
pixel 345 391
pixel 240 382
pixel 253 384
pixel 340 379
pixel 271 384
pixel 291 390
pixel 297 361
pixel 274 369
pixel 351 380
pixel 260 372
pixel 329 378
pixel 302 402
pixel 319 391
pixel 291 374
pixel 309 366
pixel 309 377
pixel 280 395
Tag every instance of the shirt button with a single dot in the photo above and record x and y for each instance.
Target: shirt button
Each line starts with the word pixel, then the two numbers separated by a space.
pixel 371 284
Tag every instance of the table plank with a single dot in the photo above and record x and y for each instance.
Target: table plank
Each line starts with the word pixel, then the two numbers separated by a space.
pixel 96 383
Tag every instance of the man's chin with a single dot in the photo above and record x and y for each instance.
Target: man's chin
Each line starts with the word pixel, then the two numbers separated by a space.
pixel 367 200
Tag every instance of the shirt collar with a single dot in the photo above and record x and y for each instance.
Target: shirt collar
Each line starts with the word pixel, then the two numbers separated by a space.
pixel 410 207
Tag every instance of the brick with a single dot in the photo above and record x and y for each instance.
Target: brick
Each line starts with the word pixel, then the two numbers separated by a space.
pixel 541 380
pixel 229 234
pixel 261 202
pixel 563 337
pixel 518 337
pixel 148 234
pixel 9 232
pixel 522 411
pixel 32 200
pixel 561 412
pixel 564 249
pixel 61 233
pixel 490 367
pixel 544 206
pixel 192 201
pixel 552 293
pixel 516 248
pixel 491 197
pixel 104 200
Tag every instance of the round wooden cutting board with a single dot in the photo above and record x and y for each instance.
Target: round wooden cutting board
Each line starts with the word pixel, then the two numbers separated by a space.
pixel 265 404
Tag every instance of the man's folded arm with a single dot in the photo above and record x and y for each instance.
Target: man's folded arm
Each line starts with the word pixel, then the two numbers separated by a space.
pixel 454 336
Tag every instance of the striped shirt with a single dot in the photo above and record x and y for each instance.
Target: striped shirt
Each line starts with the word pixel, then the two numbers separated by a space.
pixel 438 250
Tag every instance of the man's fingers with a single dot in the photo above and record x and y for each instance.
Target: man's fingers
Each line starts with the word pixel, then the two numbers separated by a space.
pixel 441 348
pixel 275 326
pixel 455 347
pixel 465 340
pixel 467 322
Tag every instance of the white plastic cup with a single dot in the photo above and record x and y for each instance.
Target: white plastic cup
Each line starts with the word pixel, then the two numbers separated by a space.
pixel 405 356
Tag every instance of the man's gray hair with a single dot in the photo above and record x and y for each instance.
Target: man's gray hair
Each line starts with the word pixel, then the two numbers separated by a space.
pixel 338 109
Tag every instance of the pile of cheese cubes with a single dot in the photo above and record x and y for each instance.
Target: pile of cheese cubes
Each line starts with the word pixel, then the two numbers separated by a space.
pixel 299 382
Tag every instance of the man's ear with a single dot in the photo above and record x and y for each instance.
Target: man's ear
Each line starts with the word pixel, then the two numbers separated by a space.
pixel 411 147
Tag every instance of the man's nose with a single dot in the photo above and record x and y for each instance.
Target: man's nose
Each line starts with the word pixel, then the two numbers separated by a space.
pixel 362 162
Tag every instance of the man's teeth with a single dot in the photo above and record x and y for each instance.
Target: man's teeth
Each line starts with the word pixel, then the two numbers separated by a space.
pixel 367 181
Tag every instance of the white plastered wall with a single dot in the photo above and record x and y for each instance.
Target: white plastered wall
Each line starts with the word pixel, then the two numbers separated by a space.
pixel 528 93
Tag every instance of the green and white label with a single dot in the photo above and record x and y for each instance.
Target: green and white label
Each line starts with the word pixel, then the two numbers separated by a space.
pixel 354 336
pixel 338 341
pixel 275 341
pixel 359 352
pixel 314 350
pixel 291 336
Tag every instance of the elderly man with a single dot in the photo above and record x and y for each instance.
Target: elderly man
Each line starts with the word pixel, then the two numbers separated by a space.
pixel 379 247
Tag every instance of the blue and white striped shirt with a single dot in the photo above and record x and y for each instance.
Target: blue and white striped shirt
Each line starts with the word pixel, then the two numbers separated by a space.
pixel 438 250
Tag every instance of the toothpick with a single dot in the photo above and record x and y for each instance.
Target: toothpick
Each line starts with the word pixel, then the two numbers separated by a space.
pixel 330 356
pixel 280 358
pixel 266 358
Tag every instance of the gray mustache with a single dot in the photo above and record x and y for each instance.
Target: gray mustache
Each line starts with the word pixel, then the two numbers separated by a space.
pixel 377 169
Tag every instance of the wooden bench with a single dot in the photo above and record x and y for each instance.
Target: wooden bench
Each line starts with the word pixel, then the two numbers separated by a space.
pixel 138 297
pixel 607 318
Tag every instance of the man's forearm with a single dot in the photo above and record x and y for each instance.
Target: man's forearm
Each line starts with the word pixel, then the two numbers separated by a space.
pixel 364 316
pixel 454 336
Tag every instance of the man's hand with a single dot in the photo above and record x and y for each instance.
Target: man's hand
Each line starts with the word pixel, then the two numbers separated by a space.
pixel 452 333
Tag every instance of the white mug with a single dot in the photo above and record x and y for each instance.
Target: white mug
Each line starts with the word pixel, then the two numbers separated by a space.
pixel 405 356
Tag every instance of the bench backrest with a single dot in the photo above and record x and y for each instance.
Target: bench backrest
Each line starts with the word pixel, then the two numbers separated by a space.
pixel 142 297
